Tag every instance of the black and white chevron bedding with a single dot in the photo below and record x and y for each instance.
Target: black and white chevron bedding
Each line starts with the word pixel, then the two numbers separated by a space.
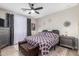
pixel 45 40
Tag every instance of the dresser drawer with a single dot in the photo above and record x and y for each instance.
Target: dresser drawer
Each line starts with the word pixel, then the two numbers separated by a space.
pixel 66 41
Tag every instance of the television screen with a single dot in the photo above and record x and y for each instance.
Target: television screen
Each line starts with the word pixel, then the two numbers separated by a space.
pixel 1 22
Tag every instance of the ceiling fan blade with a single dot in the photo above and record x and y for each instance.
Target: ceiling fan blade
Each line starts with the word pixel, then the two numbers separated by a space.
pixel 36 12
pixel 24 9
pixel 38 8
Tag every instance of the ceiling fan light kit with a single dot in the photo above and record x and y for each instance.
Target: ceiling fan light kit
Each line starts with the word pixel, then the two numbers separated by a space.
pixel 32 11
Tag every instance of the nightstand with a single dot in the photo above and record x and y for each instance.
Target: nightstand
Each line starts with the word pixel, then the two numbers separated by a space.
pixel 68 41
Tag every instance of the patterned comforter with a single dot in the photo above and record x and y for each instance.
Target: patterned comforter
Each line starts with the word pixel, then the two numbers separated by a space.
pixel 45 40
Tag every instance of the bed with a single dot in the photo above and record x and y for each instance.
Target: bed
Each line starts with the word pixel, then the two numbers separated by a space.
pixel 45 40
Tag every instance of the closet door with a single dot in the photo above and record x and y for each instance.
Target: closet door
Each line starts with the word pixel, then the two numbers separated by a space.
pixel 28 27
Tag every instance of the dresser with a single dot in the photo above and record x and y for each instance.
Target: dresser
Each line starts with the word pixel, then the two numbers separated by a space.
pixel 68 41
pixel 4 37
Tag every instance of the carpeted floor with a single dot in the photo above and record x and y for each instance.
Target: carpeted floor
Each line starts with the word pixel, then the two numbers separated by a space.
pixel 60 51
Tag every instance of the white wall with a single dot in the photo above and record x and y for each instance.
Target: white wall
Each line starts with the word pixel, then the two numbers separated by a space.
pixel 56 21
pixel 2 14
pixel 20 28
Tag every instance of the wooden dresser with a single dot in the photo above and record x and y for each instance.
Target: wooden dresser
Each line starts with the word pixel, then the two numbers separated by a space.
pixel 68 41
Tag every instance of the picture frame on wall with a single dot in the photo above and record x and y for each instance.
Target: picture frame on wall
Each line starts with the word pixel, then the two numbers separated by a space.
pixel 33 26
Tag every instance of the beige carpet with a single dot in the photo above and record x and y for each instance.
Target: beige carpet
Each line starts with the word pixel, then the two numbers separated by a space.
pixel 60 51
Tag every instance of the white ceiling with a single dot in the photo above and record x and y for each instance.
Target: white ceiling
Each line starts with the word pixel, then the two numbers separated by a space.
pixel 48 8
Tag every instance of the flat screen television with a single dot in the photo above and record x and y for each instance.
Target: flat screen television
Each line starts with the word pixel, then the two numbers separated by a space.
pixel 2 22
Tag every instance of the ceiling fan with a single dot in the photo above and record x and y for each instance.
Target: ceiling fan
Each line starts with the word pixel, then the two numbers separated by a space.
pixel 32 9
